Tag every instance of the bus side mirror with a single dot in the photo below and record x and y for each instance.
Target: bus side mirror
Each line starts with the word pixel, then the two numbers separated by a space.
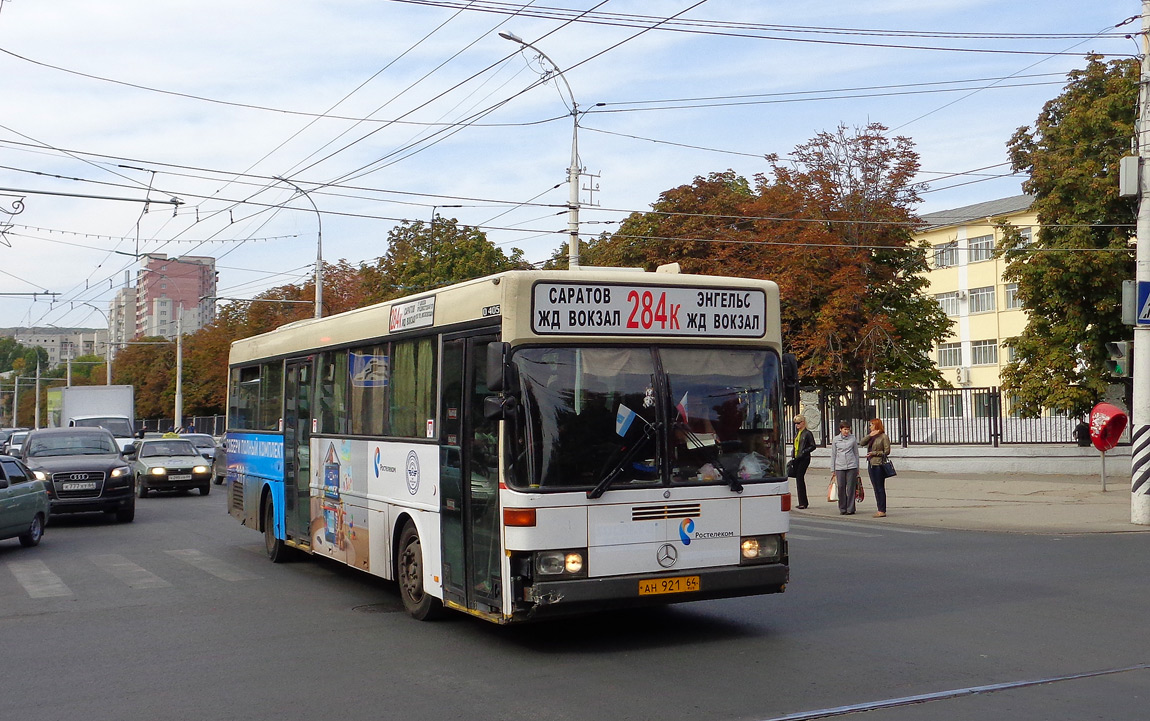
pixel 497 408
pixel 791 380
pixel 497 354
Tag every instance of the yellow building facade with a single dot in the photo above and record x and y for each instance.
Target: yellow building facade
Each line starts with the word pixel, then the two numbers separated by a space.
pixel 966 280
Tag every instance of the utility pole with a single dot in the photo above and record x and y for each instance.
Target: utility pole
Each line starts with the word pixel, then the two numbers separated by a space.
pixel 36 420
pixel 178 414
pixel 1140 406
pixel 15 400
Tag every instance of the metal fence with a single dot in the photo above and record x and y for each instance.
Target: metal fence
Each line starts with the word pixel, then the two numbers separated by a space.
pixel 214 425
pixel 943 416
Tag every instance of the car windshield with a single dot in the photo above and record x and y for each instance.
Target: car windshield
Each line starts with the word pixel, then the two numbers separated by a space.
pixel 86 444
pixel 603 418
pixel 151 449
pixel 119 427
pixel 202 441
pixel 17 438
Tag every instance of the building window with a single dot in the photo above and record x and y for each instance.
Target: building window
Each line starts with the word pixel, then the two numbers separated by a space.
pixel 984 352
pixel 981 248
pixel 949 355
pixel 1027 239
pixel 982 299
pixel 1012 299
pixel 950 405
pixel 946 255
pixel 1009 352
pixel 948 301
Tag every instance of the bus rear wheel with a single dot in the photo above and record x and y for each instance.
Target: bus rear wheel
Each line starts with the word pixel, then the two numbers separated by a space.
pixel 409 571
pixel 276 548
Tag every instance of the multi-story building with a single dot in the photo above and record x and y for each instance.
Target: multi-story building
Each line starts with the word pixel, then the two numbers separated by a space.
pixel 122 317
pixel 966 279
pixel 64 344
pixel 174 293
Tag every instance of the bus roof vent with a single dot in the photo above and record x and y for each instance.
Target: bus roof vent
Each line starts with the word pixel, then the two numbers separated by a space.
pixel 668 268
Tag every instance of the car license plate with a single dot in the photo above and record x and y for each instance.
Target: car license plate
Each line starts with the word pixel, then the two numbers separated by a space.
pixel 676 584
pixel 180 477
pixel 78 486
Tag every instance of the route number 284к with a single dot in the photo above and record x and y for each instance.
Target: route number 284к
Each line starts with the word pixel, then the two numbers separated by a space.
pixel 650 311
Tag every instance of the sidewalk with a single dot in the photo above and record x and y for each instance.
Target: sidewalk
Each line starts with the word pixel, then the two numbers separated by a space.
pixel 1010 502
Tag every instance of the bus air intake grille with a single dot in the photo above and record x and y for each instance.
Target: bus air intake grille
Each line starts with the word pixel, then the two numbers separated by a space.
pixel 237 497
pixel 669 510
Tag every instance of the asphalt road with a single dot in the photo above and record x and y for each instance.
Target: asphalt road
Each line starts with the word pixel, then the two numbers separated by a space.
pixel 180 616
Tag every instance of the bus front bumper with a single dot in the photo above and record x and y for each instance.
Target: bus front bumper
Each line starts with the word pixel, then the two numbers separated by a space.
pixel 547 598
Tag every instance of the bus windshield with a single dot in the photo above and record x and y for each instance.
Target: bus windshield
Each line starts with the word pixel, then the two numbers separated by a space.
pixel 642 417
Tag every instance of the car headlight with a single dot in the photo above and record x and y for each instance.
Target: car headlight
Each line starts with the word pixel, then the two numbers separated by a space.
pixel 200 469
pixel 157 471
pixel 120 472
pixel 569 563
pixel 40 475
pixel 762 549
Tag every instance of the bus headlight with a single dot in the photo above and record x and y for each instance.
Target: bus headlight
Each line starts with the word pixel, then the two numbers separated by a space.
pixel 569 563
pixel 762 549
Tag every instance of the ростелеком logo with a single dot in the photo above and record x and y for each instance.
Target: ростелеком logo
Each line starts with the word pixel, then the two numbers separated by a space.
pixel 685 529
pixel 375 463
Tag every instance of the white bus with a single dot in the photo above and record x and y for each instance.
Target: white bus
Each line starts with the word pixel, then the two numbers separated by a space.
pixel 528 444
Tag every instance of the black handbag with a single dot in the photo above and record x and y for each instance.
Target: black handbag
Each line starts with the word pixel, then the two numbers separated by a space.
pixel 888 469
pixel 791 468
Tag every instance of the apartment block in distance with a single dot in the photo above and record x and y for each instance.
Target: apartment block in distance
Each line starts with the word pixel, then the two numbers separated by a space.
pixel 966 280
pixel 174 294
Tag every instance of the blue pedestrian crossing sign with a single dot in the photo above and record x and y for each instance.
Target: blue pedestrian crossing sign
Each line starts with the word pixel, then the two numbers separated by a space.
pixel 1143 302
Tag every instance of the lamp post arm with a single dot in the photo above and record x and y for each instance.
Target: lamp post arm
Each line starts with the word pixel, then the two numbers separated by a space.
pixel 318 247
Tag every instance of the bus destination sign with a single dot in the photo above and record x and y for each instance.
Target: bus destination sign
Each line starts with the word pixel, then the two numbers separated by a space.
pixel 608 309
pixel 416 314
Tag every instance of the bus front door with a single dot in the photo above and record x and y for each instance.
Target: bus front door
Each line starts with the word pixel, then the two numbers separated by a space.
pixel 469 479
pixel 297 450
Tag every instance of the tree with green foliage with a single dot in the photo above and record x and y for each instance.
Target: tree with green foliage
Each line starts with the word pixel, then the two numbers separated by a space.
pixel 1070 275
pixel 423 256
pixel 833 227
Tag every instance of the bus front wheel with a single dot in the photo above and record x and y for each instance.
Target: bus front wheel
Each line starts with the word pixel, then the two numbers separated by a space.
pixel 409 570
pixel 277 550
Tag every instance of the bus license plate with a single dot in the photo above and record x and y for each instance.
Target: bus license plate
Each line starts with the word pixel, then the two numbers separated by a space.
pixel 677 584
pixel 83 486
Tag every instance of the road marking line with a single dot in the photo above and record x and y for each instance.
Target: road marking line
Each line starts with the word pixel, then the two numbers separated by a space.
pixel 37 580
pixel 206 563
pixel 132 575
pixel 944 695
pixel 802 537
pixel 892 529
pixel 839 532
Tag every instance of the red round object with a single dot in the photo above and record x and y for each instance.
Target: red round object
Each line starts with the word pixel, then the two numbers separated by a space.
pixel 1106 425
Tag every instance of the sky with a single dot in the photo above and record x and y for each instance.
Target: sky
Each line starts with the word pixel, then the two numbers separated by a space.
pixel 393 110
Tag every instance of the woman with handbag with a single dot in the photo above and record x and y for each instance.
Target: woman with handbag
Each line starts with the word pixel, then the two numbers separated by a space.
pixel 877 450
pixel 804 446
pixel 845 467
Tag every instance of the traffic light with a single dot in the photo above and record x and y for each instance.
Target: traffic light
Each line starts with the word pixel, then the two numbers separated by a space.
pixel 1121 361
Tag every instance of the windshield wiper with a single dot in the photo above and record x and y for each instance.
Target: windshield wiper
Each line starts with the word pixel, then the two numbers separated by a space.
pixel 629 454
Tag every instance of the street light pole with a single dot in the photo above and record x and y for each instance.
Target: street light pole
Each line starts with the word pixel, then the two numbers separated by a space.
pixel 318 248
pixel 573 170
pixel 178 411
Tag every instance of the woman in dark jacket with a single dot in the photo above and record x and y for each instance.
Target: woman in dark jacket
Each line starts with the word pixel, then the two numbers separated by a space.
pixel 877 450
pixel 804 446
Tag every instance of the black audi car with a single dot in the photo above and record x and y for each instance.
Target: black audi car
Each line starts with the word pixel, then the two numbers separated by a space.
pixel 84 470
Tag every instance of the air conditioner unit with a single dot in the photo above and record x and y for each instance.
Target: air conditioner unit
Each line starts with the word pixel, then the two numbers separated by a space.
pixel 962 375
pixel 962 295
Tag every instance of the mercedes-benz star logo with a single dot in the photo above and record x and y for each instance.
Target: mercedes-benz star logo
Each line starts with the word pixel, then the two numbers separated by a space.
pixel 666 555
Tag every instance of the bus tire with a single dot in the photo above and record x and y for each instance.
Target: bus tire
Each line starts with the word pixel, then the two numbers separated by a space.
pixel 276 548
pixel 409 573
